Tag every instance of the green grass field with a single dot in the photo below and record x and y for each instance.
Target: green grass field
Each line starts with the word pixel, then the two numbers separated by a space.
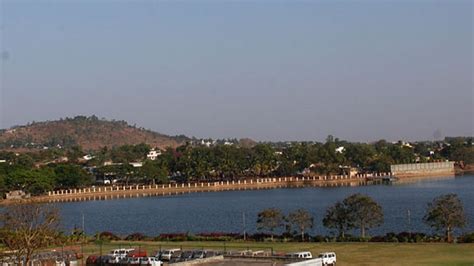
pixel 347 253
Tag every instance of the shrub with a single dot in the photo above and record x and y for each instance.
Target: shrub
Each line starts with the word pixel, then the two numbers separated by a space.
pixel 261 236
pixel 172 237
pixel 218 236
pixel 136 237
pixel 319 238
pixel 107 236
pixel 467 238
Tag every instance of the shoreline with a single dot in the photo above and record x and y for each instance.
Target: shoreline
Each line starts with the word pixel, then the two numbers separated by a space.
pixel 135 191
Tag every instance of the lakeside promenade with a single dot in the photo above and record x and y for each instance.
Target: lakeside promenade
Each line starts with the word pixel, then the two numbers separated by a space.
pixel 132 191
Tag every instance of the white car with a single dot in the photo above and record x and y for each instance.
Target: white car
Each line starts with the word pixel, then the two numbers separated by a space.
pixel 152 261
pixel 120 253
pixel 167 254
pixel 328 258
pixel 133 260
pixel 300 255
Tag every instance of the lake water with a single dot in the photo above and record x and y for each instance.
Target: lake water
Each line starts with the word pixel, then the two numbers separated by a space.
pixel 223 211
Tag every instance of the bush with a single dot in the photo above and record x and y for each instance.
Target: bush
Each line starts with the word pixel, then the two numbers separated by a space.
pixel 319 238
pixel 467 238
pixel 172 237
pixel 107 236
pixel 136 237
pixel 218 236
pixel 261 236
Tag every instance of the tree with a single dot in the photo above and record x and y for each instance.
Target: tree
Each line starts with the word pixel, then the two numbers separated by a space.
pixel 363 212
pixel 445 212
pixel 270 219
pixel 71 176
pixel 154 171
pixel 264 159
pixel 337 217
pixel 28 228
pixel 301 219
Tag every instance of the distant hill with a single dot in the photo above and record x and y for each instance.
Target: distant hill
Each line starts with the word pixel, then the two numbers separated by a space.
pixel 91 133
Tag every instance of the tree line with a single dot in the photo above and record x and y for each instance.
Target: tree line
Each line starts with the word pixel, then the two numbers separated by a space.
pixel 42 171
pixel 445 213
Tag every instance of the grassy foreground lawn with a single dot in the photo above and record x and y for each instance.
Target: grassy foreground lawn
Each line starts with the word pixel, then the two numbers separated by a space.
pixel 347 253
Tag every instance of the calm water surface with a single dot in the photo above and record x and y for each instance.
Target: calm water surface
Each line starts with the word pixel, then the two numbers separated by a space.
pixel 222 211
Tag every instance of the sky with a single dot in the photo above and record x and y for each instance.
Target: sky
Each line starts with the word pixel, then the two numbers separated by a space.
pixel 267 70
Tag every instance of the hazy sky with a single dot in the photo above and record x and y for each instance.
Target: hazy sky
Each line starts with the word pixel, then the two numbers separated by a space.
pixel 268 70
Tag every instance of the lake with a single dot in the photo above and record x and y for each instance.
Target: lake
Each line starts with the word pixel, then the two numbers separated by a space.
pixel 223 211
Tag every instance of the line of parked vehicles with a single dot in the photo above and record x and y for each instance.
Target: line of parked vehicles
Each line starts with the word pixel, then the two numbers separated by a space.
pixel 326 258
pixel 124 256
pixel 140 257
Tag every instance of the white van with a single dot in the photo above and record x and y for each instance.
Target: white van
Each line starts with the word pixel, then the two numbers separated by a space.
pixel 300 255
pixel 167 254
pixel 328 258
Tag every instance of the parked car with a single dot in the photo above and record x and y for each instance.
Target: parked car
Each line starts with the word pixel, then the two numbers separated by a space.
pixel 176 257
pixel 137 253
pixel 300 255
pixel 199 254
pixel 91 260
pixel 121 252
pixel 329 258
pixel 133 260
pixel 212 253
pixel 168 254
pixel 115 259
pixel 152 261
pixel 102 260
pixel 187 255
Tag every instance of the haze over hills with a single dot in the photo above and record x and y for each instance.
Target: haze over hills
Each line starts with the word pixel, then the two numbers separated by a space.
pixel 91 133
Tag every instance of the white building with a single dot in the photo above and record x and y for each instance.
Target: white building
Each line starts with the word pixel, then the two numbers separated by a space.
pixel 153 154
pixel 87 157
pixel 136 164
pixel 340 149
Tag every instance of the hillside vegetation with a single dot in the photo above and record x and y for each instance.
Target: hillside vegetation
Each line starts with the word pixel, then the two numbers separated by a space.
pixel 91 133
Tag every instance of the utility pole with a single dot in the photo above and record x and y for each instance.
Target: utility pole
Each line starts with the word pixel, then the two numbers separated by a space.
pixel 409 222
pixel 243 221
pixel 83 227
pixel 82 240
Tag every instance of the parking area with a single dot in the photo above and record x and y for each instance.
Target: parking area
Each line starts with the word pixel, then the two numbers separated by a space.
pixel 182 257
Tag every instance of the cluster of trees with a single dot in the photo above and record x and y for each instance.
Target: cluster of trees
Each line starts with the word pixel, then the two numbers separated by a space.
pixel 444 213
pixel 21 174
pixel 356 211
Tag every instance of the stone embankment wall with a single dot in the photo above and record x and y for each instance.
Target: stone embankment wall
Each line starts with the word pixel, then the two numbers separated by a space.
pixel 120 191
pixel 423 169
